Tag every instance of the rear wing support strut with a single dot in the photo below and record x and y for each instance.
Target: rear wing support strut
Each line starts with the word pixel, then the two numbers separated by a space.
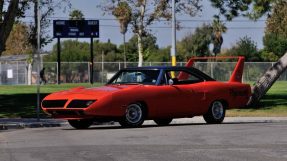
pixel 237 72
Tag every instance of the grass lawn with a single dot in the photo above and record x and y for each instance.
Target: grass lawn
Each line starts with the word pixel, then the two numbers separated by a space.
pixel 20 101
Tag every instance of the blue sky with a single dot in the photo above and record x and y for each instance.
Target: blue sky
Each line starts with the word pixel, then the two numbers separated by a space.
pixel 109 29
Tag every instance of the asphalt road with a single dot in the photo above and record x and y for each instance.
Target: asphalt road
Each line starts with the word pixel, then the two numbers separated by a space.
pixel 178 142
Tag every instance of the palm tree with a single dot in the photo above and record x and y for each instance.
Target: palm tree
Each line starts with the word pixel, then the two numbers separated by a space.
pixel 123 13
pixel 218 28
pixel 76 15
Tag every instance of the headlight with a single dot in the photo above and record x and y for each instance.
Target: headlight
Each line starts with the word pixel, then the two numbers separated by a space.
pixel 80 103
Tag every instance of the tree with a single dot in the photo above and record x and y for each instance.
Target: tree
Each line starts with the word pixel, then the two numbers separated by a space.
pixel 275 43
pixel 267 80
pixel 162 55
pixel 48 8
pixel 253 9
pixel 76 15
pixel 145 12
pixel 245 47
pixel 197 43
pixel 275 39
pixel 123 13
pixel 217 28
pixel 7 19
pixel 18 40
pixel 75 51
pixel 277 21
pixel 149 45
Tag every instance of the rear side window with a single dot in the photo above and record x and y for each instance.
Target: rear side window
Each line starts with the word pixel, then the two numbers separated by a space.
pixel 181 77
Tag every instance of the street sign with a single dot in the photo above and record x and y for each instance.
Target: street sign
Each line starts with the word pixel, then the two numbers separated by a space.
pixel 76 28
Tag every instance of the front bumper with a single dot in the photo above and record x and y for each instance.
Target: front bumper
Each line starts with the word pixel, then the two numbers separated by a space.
pixel 68 114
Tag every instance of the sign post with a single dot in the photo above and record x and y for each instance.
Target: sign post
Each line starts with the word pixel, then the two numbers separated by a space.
pixel 58 61
pixel 92 62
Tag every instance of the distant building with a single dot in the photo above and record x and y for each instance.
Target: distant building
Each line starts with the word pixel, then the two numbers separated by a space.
pixel 13 58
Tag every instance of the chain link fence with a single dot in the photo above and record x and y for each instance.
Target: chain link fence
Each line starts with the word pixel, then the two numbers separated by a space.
pixel 16 73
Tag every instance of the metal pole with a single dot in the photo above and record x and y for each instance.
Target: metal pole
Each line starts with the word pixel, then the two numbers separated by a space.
pixel 17 73
pixel 0 73
pixel 92 62
pixel 125 55
pixel 38 58
pixel 173 48
pixel 211 68
pixel 89 71
pixel 102 75
pixel 59 61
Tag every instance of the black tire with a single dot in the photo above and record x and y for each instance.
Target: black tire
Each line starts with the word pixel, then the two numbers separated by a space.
pixel 162 122
pixel 134 116
pixel 216 113
pixel 81 124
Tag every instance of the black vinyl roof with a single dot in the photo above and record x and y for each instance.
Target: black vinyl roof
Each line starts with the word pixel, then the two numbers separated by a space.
pixel 190 69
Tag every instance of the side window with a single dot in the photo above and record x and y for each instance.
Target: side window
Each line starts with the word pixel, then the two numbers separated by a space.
pixel 182 77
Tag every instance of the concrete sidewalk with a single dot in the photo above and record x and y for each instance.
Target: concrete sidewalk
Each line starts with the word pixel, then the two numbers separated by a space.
pixel 33 123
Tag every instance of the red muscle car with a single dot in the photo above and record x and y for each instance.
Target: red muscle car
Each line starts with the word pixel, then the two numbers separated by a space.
pixel 151 93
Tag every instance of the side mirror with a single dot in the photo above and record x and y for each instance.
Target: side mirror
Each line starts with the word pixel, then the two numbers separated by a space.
pixel 173 81
pixel 170 82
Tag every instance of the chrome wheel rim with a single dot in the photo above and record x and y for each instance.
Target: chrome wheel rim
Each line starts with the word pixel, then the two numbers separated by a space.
pixel 134 113
pixel 217 110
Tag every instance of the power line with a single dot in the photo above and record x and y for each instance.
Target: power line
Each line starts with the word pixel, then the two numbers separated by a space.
pixel 179 20
pixel 169 27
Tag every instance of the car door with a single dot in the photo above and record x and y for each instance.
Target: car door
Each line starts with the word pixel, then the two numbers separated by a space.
pixel 178 98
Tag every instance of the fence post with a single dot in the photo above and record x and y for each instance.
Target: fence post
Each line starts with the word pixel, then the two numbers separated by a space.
pixel 120 65
pixel 89 75
pixel 211 68
pixel 103 68
pixel 17 72
pixel 0 73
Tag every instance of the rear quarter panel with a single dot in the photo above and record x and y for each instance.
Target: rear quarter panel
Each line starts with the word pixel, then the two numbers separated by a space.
pixel 236 95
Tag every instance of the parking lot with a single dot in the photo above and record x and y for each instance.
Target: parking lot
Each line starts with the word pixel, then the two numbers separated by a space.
pixel 233 140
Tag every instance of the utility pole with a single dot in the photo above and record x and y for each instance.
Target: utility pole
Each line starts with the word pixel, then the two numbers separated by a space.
pixel 173 45
pixel 38 58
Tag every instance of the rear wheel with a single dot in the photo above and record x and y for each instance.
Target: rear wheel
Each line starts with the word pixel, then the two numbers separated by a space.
pixel 215 114
pixel 134 116
pixel 81 124
pixel 163 122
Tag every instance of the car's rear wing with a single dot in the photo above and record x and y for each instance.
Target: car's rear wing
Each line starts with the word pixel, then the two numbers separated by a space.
pixel 237 72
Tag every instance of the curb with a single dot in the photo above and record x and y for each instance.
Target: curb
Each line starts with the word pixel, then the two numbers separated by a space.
pixel 22 124
pixel 6 124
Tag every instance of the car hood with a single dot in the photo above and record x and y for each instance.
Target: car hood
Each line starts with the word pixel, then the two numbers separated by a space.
pixel 95 92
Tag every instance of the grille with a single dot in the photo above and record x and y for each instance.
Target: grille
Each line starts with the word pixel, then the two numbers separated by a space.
pixel 80 103
pixel 54 103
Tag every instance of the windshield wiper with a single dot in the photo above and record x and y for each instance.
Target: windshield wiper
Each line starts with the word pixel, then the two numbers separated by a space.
pixel 130 83
pixel 118 84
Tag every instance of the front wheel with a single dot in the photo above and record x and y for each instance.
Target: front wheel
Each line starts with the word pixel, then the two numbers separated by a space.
pixel 215 114
pixel 134 116
pixel 162 122
pixel 81 124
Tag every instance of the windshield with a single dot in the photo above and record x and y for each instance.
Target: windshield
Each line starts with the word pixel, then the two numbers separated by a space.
pixel 148 77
